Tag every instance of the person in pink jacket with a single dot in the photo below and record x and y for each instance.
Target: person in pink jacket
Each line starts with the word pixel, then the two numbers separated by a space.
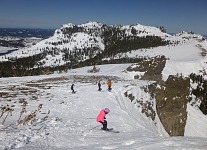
pixel 101 118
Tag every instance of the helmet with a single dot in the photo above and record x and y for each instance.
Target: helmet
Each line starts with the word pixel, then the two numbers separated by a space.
pixel 106 110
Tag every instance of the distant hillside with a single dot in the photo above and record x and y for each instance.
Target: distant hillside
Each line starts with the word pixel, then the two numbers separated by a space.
pixel 79 45
pixel 91 43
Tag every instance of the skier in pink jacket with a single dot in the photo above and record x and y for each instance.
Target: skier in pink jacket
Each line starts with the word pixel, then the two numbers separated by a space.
pixel 101 118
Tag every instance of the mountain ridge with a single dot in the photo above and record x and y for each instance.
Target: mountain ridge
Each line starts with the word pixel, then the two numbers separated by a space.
pixel 96 43
pixel 64 38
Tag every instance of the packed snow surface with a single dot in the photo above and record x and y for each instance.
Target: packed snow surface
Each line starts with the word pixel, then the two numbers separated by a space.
pixel 71 123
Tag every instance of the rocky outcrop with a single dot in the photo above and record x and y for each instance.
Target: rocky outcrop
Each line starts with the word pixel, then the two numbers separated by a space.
pixel 171 103
pixel 152 67
pixel 171 95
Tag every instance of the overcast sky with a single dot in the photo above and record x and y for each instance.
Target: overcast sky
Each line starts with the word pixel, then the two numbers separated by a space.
pixel 174 15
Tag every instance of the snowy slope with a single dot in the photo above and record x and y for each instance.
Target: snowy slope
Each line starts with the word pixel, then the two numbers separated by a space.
pixel 4 49
pixel 183 58
pixel 71 122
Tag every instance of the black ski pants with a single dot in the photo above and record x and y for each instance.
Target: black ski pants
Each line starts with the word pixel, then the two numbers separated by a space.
pixel 104 124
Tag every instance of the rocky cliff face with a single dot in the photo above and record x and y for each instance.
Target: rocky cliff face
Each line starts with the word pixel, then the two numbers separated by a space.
pixel 171 95
pixel 171 103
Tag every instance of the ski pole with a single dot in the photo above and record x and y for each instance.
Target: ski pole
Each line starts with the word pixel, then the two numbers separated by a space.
pixel 94 127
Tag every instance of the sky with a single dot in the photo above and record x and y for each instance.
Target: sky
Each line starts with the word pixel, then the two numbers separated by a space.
pixel 174 15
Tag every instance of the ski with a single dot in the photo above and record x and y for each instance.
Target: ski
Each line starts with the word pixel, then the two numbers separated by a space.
pixel 111 130
pixel 74 92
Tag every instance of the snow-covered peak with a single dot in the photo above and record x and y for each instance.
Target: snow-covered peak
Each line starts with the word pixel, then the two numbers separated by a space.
pixel 188 35
pixel 143 30
pixel 68 25
pixel 91 24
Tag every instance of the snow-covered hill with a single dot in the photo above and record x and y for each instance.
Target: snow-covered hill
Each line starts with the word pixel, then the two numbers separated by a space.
pixel 62 120
pixel 67 121
pixel 85 41
pixel 72 37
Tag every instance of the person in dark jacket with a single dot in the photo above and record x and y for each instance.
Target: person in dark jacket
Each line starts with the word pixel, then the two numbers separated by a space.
pixel 99 86
pixel 72 88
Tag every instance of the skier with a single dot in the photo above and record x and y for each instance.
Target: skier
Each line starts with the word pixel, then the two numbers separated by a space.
pixel 101 118
pixel 99 86
pixel 72 88
pixel 109 85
